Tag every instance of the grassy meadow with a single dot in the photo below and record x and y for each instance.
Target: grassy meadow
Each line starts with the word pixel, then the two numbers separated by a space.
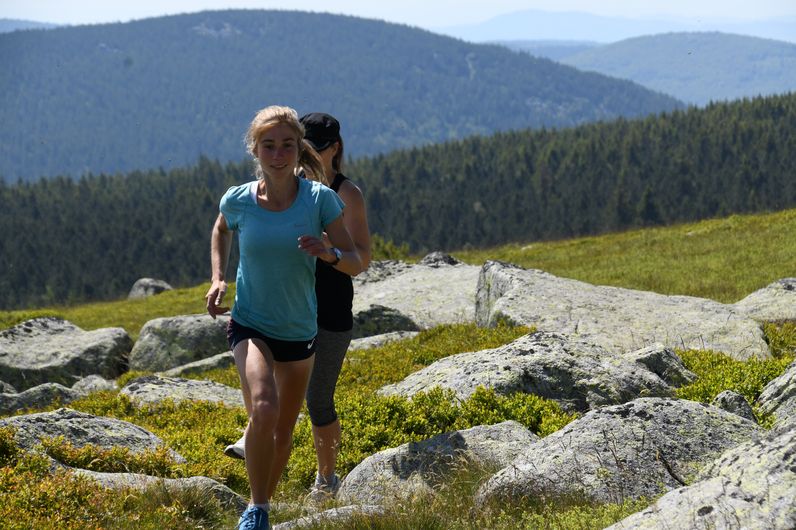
pixel 723 259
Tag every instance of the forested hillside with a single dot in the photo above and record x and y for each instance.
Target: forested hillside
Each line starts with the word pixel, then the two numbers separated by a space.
pixel 90 239
pixel 161 92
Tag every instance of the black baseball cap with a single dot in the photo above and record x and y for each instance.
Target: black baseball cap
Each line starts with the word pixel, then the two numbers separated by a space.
pixel 320 129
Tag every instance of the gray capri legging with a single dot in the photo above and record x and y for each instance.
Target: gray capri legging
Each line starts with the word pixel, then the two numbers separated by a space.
pixel 331 347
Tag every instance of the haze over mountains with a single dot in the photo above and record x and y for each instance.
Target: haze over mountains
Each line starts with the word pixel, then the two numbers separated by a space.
pixel 694 67
pixel 544 25
pixel 161 92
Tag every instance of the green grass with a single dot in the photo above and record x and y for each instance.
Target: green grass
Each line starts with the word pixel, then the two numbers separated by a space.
pixel 720 259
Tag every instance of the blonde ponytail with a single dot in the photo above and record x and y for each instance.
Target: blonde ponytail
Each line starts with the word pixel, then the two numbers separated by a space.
pixel 310 161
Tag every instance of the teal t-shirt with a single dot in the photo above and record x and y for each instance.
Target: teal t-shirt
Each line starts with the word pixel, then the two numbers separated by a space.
pixel 275 292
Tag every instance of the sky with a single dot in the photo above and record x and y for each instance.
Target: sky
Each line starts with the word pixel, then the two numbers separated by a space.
pixel 428 14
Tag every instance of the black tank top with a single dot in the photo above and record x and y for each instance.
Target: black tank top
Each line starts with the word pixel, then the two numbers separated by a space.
pixel 334 289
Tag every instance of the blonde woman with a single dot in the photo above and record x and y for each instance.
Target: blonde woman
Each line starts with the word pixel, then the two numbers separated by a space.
pixel 280 219
pixel 335 294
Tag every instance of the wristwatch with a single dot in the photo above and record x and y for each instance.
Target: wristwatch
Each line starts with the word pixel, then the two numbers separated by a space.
pixel 338 255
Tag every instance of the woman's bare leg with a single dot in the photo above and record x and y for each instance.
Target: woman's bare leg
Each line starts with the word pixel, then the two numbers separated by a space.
pixel 255 365
pixel 291 383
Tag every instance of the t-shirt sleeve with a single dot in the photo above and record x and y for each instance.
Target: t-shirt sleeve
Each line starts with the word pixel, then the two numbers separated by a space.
pixel 331 206
pixel 231 208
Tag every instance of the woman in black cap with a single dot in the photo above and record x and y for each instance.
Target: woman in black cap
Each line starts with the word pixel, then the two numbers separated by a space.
pixel 335 293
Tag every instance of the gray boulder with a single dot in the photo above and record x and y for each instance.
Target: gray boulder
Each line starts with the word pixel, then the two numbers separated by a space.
pixel 379 271
pixel 617 319
pixel 146 287
pixel 38 397
pixel 333 516
pixel 52 350
pixel 779 396
pixel 427 294
pixel 44 395
pixel 735 403
pixel 577 375
pixel 752 486
pixel 378 320
pixel 173 341
pixel 776 301
pixel 664 363
pixel 93 383
pixel 413 469
pixel 439 259
pixel 204 485
pixel 153 389
pixel 375 341
pixel 5 388
pixel 637 449
pixel 82 429
pixel 222 360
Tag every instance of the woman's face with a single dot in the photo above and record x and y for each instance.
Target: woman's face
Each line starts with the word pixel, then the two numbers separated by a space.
pixel 277 151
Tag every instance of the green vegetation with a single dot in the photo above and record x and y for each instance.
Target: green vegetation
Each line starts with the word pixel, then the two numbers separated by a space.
pixel 159 92
pixel 518 187
pixel 725 259
pixel 718 372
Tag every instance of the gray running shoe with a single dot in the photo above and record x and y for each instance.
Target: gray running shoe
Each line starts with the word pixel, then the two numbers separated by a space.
pixel 323 491
pixel 236 450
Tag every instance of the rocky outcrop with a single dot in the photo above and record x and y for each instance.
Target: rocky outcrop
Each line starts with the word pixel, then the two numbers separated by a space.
pixel 776 301
pixel 146 287
pixel 39 396
pixel 617 319
pixel 637 449
pixel 577 375
pixel 752 486
pixel 735 403
pixel 52 350
pixel 413 469
pixel 44 395
pixel 664 363
pixel 376 341
pixel 153 389
pixel 378 319
pixel 80 429
pixel 222 360
pixel 122 481
pixel 166 343
pixel 428 294
pixel 93 383
pixel 779 396
pixel 335 516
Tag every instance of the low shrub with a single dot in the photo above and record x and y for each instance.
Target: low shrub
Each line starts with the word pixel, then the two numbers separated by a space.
pixel 158 462
pixel 718 372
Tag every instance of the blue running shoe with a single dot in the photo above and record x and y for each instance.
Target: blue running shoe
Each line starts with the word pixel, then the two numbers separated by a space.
pixel 254 518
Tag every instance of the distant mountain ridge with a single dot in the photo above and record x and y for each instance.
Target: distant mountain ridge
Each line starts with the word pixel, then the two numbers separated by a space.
pixel 161 92
pixel 11 24
pixel 534 24
pixel 693 67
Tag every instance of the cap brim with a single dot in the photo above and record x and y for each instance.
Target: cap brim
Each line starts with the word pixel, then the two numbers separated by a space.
pixel 319 145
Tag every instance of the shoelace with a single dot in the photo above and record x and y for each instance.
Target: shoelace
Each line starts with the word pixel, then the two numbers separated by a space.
pixel 252 519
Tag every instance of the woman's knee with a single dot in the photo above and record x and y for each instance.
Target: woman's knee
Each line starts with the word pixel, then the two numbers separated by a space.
pixel 264 415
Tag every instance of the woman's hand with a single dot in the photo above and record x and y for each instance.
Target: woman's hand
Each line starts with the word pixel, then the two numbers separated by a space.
pixel 214 298
pixel 316 247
